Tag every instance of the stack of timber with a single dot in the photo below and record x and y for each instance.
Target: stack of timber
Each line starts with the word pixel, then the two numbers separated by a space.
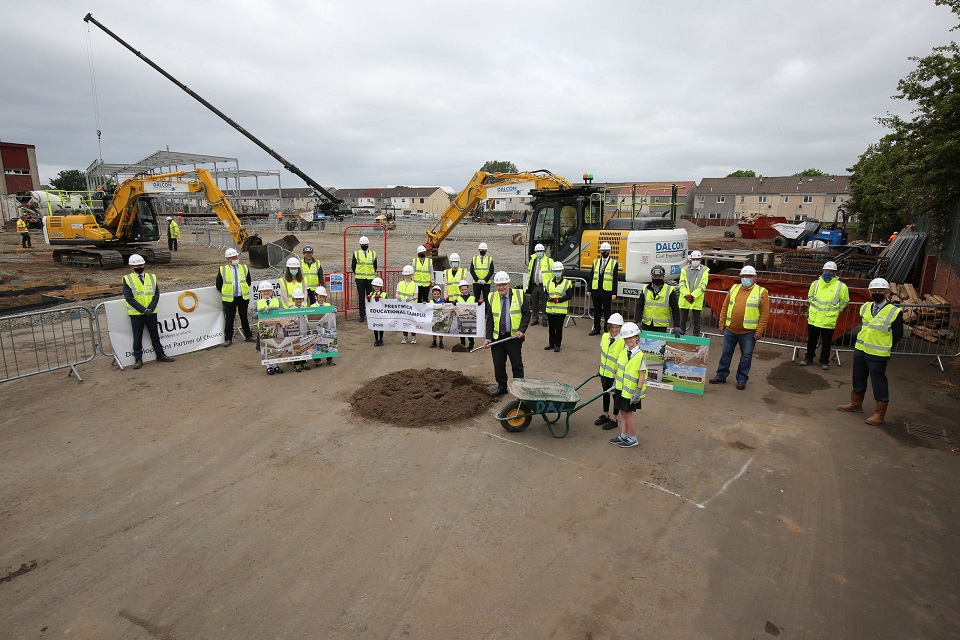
pixel 76 292
pixel 928 316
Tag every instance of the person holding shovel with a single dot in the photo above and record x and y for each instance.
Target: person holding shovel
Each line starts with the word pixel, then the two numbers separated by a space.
pixel 508 316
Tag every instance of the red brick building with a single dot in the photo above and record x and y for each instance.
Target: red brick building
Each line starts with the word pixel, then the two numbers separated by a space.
pixel 18 168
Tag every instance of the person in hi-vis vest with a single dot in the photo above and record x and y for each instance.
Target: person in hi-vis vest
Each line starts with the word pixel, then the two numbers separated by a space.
pixel 602 286
pixel 481 270
pixel 142 295
pixel 364 267
pixel 508 314
pixel 233 283
pixel 743 318
pixel 826 300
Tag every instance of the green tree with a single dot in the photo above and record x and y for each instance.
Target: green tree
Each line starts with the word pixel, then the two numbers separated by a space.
pixel 810 172
pixel 743 173
pixel 915 169
pixel 501 166
pixel 70 180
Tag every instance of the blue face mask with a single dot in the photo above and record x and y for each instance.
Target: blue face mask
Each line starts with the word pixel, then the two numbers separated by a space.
pixel 539 254
pixel 294 272
pixel 454 264
pixel 827 277
pixel 747 282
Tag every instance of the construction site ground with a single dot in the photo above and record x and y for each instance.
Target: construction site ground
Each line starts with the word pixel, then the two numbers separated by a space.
pixel 205 499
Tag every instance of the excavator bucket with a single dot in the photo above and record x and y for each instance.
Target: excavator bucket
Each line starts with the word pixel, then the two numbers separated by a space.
pixel 258 252
pixel 441 262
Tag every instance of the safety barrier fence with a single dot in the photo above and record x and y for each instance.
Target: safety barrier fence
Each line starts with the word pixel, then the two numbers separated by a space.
pixel 42 341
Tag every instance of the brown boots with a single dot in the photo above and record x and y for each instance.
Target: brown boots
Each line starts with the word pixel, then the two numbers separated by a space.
pixel 856 403
pixel 878 415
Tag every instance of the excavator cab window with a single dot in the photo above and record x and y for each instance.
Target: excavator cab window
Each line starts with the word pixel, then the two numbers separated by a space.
pixel 544 227
pixel 146 227
pixel 569 229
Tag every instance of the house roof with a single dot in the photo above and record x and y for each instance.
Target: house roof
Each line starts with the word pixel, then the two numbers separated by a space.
pixel 784 185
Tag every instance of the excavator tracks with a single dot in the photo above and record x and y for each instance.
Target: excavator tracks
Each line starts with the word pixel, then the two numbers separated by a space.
pixel 110 258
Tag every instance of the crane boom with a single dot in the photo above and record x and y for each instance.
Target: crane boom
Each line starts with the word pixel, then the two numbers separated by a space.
pixel 289 166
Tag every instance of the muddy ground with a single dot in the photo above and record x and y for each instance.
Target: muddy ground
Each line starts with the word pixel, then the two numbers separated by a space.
pixel 205 499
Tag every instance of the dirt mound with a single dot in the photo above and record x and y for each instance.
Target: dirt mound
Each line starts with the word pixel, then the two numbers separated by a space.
pixel 422 398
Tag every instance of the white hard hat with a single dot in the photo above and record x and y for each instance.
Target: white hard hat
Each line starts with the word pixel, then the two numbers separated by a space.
pixel 136 260
pixel 364 240
pixel 615 319
pixel 264 286
pixel 407 270
pixel 604 246
pixel 437 287
pixel 482 247
pixel 169 218
pixel 501 277
pixel 830 266
pixel 696 255
pixel 748 271
pixel 377 282
pixel 298 293
pixel 464 283
pixel 876 283
pixel 320 291
pixel 454 257
pixel 421 249
pixel 629 330
pixel 539 247
pixel 557 266
pixel 293 262
pixel 230 253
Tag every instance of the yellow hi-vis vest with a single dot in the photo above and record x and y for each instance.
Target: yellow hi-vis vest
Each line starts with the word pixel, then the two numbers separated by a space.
pixel 606 284
pixel 516 301
pixel 22 226
pixel 226 291
pixel 628 376
pixel 406 291
pixel 453 281
pixel 174 230
pixel 311 274
pixel 826 301
pixel 463 298
pixel 610 349
pixel 875 336
pixel 656 310
pixel 423 271
pixel 555 290
pixel 481 266
pixel 364 270
pixel 546 268
pixel 751 312
pixel 288 289
pixel 696 288
pixel 142 291
pixel 266 306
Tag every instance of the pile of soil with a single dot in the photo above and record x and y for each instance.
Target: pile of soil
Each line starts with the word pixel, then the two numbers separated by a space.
pixel 422 398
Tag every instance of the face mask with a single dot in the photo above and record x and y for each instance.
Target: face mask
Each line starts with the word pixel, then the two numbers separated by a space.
pixel 233 263
pixel 454 264
pixel 138 270
pixel 658 282
pixel 421 255
pixel 539 254
pixel 828 277
pixel 364 247
pixel 747 282
pixel 694 263
pixel 483 253
pixel 878 297
pixel 294 272
pixel 605 254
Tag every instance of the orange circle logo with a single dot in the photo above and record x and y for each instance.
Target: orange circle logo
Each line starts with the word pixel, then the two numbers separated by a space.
pixel 188 298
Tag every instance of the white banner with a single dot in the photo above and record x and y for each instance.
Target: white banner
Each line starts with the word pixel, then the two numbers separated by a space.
pixel 464 320
pixel 189 321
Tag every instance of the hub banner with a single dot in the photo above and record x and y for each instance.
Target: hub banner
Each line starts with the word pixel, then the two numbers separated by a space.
pixel 462 320
pixel 298 334
pixel 189 321
pixel 677 364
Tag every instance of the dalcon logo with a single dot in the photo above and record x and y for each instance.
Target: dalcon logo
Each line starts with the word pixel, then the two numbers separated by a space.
pixel 188 301
pixel 669 246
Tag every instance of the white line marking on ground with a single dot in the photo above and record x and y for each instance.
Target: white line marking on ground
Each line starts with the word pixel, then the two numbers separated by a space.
pixel 643 482
pixel 726 484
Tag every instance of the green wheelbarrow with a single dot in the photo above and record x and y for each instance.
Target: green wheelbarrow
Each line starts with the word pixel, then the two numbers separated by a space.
pixel 549 399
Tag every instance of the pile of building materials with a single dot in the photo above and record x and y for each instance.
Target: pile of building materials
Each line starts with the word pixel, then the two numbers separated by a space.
pixel 927 316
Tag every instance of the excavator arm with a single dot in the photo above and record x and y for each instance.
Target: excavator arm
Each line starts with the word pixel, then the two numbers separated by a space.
pixel 476 190
pixel 221 206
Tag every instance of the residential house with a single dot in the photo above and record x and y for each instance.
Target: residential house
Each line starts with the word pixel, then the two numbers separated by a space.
pixel 723 201
pixel 403 201
pixel 648 199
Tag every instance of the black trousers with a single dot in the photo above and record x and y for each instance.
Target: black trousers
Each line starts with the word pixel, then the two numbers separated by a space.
pixel 230 309
pixel 25 240
pixel 150 322
pixel 364 287
pixel 555 328
pixel 875 368
pixel 512 349
pixel 815 336
pixel 685 316
pixel 538 300
pixel 606 383
pixel 172 244
pixel 481 291
pixel 601 306
pixel 423 293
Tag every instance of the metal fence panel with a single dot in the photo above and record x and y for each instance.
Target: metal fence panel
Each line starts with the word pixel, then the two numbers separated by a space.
pixel 41 341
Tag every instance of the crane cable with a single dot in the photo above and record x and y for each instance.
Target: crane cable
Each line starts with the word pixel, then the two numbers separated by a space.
pixel 93 90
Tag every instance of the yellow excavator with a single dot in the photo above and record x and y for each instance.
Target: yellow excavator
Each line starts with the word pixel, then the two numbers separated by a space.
pixel 476 190
pixel 106 236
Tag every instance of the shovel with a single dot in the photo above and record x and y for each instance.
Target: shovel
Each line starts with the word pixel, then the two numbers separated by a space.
pixel 494 342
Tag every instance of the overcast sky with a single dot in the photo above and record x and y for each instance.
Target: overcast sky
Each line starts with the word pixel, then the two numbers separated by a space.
pixel 366 93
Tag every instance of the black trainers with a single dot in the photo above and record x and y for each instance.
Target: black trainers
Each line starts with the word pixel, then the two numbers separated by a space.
pixel 611 424
pixel 601 420
pixel 806 363
pixel 548 347
pixel 616 440
pixel 593 332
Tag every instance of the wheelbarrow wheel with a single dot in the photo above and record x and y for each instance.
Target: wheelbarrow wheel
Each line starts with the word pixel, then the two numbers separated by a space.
pixel 512 416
